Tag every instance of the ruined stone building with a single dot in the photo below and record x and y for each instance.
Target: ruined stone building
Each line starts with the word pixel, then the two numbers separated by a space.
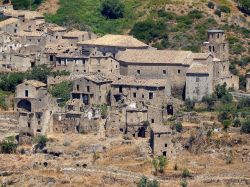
pixel 160 140
pixel 92 89
pixel 35 107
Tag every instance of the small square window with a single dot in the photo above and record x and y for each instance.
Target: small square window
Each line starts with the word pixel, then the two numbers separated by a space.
pixel 152 120
pixel 197 79
pixel 166 145
pixel 164 72
pixel 138 71
pixel 151 95
pixel 179 71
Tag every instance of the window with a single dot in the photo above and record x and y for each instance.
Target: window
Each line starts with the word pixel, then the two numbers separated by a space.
pixel 138 72
pixel 218 35
pixel 88 89
pixel 166 145
pixel 15 30
pixel 197 79
pixel 29 124
pixel 151 95
pixel 164 72
pixel 26 93
pixel 98 70
pixel 77 87
pixel 142 95
pixel 179 71
pixel 50 58
pixel 134 95
pixel 152 120
pixel 38 40
pixel 56 37
pixel 120 89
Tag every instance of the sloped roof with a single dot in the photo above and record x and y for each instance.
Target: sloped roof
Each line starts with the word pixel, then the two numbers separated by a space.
pixel 8 22
pixel 198 68
pixel 155 56
pixel 133 81
pixel 35 83
pixel 31 34
pixel 201 55
pixel 115 41
pixel 26 13
pixel 75 33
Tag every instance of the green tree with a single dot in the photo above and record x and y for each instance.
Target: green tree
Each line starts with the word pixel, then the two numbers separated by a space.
pixel 156 165
pixel 9 81
pixel 145 182
pixel 186 173
pixel 162 163
pixel 184 183
pixel 62 91
pixel 113 9
pixel 39 73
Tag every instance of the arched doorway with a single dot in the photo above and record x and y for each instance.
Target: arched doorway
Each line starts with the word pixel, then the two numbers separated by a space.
pixel 24 105
pixel 170 110
pixel 142 132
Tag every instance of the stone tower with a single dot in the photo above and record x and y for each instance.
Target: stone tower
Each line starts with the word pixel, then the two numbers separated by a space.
pixel 217 45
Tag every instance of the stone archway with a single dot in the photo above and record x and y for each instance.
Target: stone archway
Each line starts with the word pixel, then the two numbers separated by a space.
pixel 24 105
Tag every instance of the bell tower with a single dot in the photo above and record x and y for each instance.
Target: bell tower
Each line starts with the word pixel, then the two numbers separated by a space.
pixel 216 45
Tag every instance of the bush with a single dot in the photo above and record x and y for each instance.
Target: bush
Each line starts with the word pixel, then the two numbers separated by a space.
pixel 246 126
pixel 244 5
pixel 145 182
pixel 178 127
pixel 3 102
pixel 25 4
pixel 211 5
pixel 243 103
pixel 189 104
pixel 236 122
pixel 8 145
pixel 61 91
pixel 195 14
pixel 40 141
pixel 237 49
pixel 225 9
pixel 183 183
pixel 226 124
pixel 217 12
pixel 8 82
pixel 113 9
pixel 186 173
pixel 209 100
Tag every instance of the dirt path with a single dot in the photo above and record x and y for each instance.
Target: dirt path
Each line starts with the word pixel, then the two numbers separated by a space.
pixel 49 6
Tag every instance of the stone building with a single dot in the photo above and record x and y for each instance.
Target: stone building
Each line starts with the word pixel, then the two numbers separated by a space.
pixel 110 45
pixel 219 48
pixel 160 140
pixel 153 94
pixel 35 107
pixel 33 38
pixel 92 89
pixel 11 25
pixel 156 64
pixel 199 82
pixel 248 82
pixel 75 36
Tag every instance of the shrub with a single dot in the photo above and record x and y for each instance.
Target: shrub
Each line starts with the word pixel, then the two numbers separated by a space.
pixel 8 145
pixel 40 141
pixel 237 49
pixel 175 167
pixel 145 182
pixel 3 102
pixel 189 104
pixel 236 122
pixel 113 9
pixel 104 110
pixel 209 100
pixel 211 5
pixel 243 82
pixel 186 173
pixel 244 5
pixel 8 82
pixel 225 9
pixel 178 127
pixel 243 103
pixel 195 14
pixel 184 183
pixel 226 124
pixel 246 126
pixel 217 12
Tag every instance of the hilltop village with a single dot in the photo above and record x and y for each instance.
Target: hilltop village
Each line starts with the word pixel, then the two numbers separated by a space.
pixel 140 86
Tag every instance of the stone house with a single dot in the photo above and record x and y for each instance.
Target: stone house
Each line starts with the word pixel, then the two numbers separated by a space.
pixel 92 89
pixel 110 45
pixel 199 82
pixel 29 20
pixel 35 107
pixel 150 93
pixel 9 42
pixel 248 82
pixel 55 32
pixel 160 140
pixel 75 36
pixel 33 38
pixel 10 25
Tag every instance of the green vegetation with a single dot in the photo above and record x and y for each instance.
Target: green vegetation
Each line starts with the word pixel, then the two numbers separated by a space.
pixel 159 164
pixel 40 141
pixel 3 100
pixel 184 183
pixel 145 182
pixel 244 5
pixel 26 4
pixel 61 91
pixel 246 126
pixel 186 173
pixel 113 9
pixel 8 145
pixel 211 5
